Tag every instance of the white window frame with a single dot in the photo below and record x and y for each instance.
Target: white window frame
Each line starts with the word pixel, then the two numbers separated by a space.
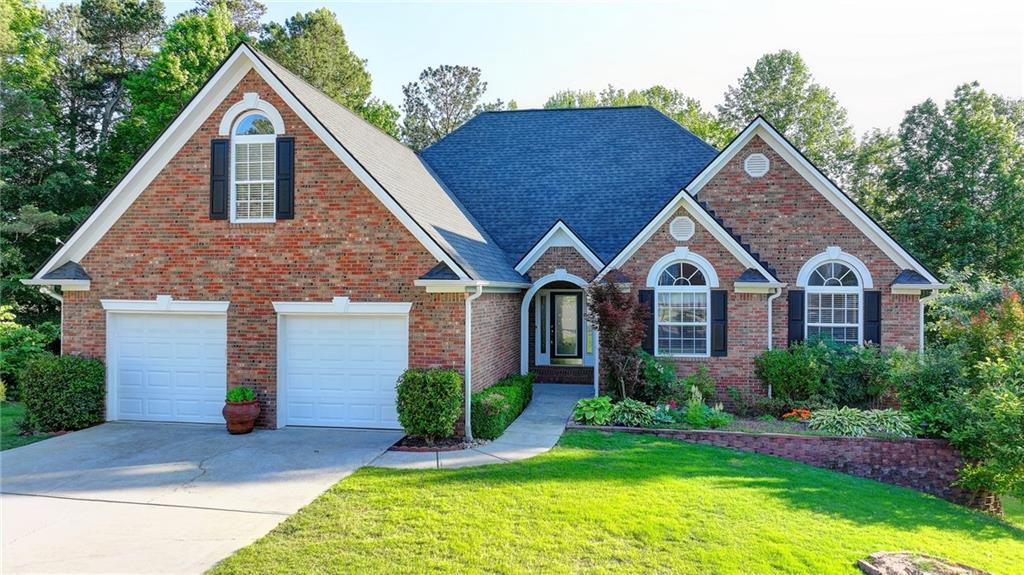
pixel 706 291
pixel 251 139
pixel 858 290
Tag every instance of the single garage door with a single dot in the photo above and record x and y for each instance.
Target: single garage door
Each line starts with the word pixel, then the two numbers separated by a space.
pixel 167 367
pixel 341 370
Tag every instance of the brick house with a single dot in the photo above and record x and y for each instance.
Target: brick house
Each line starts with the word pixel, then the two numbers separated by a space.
pixel 272 238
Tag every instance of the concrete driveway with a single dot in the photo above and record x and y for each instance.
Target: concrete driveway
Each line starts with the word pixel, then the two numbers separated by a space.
pixel 163 498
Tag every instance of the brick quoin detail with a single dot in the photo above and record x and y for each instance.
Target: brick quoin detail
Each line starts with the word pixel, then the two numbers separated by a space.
pixel 787 222
pixel 928 465
pixel 342 242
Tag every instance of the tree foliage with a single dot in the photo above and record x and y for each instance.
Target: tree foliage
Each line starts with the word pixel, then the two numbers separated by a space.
pixel 780 87
pixel 441 100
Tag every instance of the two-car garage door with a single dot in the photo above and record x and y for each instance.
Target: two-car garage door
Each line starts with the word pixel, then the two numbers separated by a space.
pixel 334 370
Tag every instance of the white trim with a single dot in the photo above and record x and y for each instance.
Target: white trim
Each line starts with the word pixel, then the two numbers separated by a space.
pixel 181 130
pixel 251 102
pixel 757 287
pixel 684 199
pixel 456 286
pixel 836 254
pixel 915 289
pixel 524 309
pixel 66 285
pixel 682 254
pixel 558 236
pixel 341 305
pixel 759 127
pixel 164 304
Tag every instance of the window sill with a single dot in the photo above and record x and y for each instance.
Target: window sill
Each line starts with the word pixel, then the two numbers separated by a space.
pixel 682 356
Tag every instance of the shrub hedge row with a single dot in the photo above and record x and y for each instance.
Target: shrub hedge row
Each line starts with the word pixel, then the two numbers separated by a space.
pixel 63 393
pixel 496 407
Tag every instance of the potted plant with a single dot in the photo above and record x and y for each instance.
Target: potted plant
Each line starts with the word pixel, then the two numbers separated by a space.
pixel 241 408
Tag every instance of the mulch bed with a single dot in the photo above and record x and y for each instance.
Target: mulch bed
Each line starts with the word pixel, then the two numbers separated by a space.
pixel 417 444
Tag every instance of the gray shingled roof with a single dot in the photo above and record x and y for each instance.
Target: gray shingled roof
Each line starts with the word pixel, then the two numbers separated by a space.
pixel 67 271
pixel 752 275
pixel 408 180
pixel 911 277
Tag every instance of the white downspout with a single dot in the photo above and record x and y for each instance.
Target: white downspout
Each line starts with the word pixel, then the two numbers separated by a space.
pixel 771 301
pixel 920 328
pixel 469 361
pixel 597 363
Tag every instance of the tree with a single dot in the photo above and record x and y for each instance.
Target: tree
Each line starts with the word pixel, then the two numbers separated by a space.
pixel 621 322
pixel 957 184
pixel 781 88
pixel 313 46
pixel 441 100
pixel 684 110
pixel 245 14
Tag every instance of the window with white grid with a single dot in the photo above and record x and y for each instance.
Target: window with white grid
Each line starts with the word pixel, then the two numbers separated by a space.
pixel 253 163
pixel 834 304
pixel 681 311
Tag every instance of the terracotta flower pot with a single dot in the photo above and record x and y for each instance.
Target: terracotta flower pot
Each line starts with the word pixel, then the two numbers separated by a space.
pixel 241 415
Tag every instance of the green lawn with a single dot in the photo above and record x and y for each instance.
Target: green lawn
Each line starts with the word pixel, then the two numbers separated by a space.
pixel 618 503
pixel 11 414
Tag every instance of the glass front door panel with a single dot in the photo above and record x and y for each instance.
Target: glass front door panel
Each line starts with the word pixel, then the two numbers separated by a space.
pixel 566 308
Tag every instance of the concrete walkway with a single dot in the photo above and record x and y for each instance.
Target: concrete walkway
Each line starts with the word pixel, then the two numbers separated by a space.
pixel 534 432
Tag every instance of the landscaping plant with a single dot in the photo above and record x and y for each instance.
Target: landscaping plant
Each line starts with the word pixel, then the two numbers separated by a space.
pixel 63 393
pixel 593 411
pixel 632 413
pixel 853 422
pixel 793 373
pixel 429 402
pixel 240 394
pixel 19 344
pixel 496 407
pixel 240 410
pixel 621 321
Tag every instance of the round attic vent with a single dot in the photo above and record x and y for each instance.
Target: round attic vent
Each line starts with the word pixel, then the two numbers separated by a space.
pixel 681 228
pixel 756 165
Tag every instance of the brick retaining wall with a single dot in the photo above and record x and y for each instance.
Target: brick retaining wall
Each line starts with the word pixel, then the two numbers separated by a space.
pixel 928 465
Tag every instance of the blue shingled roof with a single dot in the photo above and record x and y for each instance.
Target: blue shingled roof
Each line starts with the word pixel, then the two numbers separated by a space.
pixel 604 171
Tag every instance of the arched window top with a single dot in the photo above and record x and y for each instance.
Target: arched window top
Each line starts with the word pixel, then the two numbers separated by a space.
pixel 254 124
pixel 833 274
pixel 681 274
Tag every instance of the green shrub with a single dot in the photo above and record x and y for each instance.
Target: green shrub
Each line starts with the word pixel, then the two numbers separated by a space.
pixel 239 394
pixel 854 375
pixel 63 392
pixel 717 418
pixel 658 382
pixel 794 373
pixel 429 402
pixel 925 385
pixel 19 344
pixel 698 415
pixel 593 411
pixel 632 413
pixel 700 380
pixel 850 421
pixel 496 407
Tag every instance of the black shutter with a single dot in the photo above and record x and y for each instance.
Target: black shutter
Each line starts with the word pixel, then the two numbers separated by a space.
pixel 796 316
pixel 873 317
pixel 219 173
pixel 285 178
pixel 647 300
pixel 719 323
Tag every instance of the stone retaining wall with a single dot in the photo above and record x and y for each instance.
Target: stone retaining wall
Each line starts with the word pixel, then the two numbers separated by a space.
pixel 928 465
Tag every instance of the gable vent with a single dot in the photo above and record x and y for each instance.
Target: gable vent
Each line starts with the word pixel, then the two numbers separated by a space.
pixel 681 228
pixel 756 165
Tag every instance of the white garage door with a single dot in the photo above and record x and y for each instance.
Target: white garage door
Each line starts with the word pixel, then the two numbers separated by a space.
pixel 167 367
pixel 340 371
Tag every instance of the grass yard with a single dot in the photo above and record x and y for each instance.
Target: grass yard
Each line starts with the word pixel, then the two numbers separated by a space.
pixel 618 503
pixel 11 414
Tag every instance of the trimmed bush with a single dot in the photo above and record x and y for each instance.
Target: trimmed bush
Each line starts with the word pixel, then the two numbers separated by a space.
pixel 793 373
pixel 429 402
pixel 63 392
pixel 496 407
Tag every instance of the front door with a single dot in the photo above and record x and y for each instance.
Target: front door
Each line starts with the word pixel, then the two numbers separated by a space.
pixel 566 325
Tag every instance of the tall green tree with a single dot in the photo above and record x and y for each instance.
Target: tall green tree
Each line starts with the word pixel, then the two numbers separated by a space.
pixel 684 110
pixel 441 100
pixel 780 87
pixel 955 190
pixel 313 46
pixel 245 14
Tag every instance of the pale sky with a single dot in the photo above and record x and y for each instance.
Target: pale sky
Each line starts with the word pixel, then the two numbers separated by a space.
pixel 880 58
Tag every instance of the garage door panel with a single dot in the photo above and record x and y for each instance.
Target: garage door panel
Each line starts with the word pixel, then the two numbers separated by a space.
pixel 169 367
pixel 341 371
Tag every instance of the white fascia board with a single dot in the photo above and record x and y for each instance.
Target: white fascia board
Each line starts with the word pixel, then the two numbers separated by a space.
pixel 456 286
pixel 550 239
pixel 164 304
pixel 756 287
pixel 66 285
pixel 684 199
pixel 835 196
pixel 181 130
pixel 341 305
pixel 916 289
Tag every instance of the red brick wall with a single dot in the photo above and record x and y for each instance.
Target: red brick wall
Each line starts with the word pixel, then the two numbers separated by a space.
pixel 787 221
pixel 342 242
pixel 495 337
pixel 748 313
pixel 928 465
pixel 563 257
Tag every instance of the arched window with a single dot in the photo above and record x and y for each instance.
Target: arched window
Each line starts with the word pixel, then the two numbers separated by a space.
pixel 681 311
pixel 834 303
pixel 253 169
